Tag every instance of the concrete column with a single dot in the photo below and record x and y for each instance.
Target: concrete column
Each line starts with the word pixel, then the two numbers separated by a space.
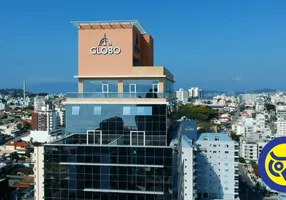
pixel 120 86
pixel 80 86
pixel 161 86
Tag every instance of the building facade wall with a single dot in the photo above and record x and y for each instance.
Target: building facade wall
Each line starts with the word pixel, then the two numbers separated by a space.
pixel 217 169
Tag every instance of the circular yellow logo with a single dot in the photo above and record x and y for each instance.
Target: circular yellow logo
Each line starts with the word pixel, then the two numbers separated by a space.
pixel 272 164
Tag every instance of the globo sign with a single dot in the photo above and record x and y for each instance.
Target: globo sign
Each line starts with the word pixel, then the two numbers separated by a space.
pixel 105 50
pixel 104 47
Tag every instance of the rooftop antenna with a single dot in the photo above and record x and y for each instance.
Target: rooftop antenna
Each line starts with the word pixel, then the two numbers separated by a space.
pixel 24 91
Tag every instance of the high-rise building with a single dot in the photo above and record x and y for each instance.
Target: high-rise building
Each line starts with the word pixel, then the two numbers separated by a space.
pixel 116 144
pixel 45 120
pixel 39 103
pixel 38 161
pixel 195 93
pixel 182 96
pixel 217 166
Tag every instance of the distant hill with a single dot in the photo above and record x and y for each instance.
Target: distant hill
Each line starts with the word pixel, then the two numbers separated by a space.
pixel 265 90
pixel 14 92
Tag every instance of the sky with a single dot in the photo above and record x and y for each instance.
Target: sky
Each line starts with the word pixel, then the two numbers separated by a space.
pixel 228 45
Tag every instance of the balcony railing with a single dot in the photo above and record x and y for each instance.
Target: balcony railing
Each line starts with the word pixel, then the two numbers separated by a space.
pixel 120 95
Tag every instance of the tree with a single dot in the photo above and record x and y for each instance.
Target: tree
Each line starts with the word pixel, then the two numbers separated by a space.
pixel 269 107
pixel 19 126
pixel 242 108
pixel 27 126
pixel 234 137
pixel 194 112
pixel 241 160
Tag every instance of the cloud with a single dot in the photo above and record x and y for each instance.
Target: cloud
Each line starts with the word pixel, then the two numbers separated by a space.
pixel 237 78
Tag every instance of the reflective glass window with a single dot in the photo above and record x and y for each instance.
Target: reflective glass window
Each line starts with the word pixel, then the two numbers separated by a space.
pixel 100 86
pixel 75 110
pixel 97 110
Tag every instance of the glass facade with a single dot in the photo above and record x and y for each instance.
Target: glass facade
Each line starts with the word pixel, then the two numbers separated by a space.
pixel 118 121
pixel 168 86
pixel 144 88
pixel 104 172
pixel 103 86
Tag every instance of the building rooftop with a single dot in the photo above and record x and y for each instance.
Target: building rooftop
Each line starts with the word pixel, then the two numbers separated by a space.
pixel 110 24
pixel 17 144
pixel 214 137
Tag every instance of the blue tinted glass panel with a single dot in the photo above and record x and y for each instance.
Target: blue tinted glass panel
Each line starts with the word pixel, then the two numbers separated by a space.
pixel 75 110
pixel 97 110
pixel 142 110
pixel 126 110
pixel 96 86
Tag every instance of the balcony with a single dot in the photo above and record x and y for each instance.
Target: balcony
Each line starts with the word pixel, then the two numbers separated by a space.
pixel 111 95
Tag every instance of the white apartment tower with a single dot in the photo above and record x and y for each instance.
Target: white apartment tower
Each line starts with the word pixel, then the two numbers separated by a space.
pixel 217 167
pixel 182 95
pixel 39 102
pixel 195 92
pixel 38 159
pixel 187 171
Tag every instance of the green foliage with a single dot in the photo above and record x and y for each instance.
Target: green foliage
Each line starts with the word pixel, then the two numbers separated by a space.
pixel 242 108
pixel 27 126
pixel 242 160
pixel 19 126
pixel 234 137
pixel 270 107
pixel 199 113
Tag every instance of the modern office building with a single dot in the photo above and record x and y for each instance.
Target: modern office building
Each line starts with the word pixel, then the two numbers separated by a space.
pixel 217 167
pixel 116 144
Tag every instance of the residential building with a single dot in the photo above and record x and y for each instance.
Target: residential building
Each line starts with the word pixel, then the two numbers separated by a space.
pixel 116 144
pixel 238 128
pixel 20 147
pixel 260 122
pixel 39 102
pixel 45 119
pixel 2 106
pixel 195 92
pixel 38 161
pixel 246 97
pixel 187 181
pixel 217 166
pixel 62 116
pixel 249 150
pixel 281 196
pixel 182 96
pixel 281 126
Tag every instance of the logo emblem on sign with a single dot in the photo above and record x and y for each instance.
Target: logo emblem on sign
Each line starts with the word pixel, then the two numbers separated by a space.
pixel 272 164
pixel 105 47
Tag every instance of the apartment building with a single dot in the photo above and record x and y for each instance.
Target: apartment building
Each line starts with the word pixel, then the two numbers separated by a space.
pixel 217 166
